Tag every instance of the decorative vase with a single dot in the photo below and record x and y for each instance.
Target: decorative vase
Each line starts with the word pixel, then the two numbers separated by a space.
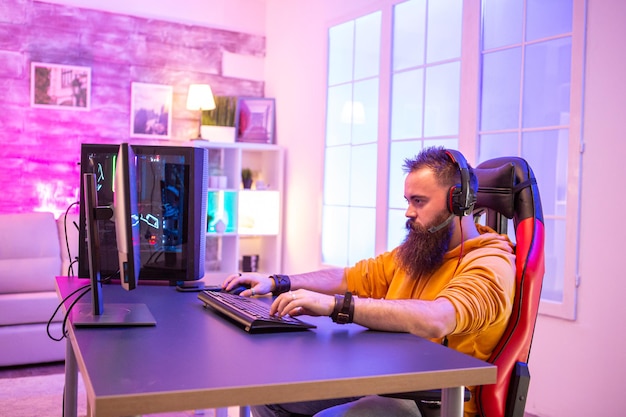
pixel 220 226
pixel 247 183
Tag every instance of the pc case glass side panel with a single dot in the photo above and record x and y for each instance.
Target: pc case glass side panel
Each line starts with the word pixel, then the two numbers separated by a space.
pixel 172 194
pixel 163 201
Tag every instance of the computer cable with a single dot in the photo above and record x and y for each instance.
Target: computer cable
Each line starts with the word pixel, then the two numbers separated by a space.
pixel 70 271
pixel 69 268
pixel 85 289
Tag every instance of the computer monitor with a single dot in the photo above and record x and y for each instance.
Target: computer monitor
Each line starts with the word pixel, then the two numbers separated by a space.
pixel 99 160
pixel 171 197
pixel 124 212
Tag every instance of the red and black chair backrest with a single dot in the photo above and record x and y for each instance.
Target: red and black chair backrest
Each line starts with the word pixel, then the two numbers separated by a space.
pixel 508 190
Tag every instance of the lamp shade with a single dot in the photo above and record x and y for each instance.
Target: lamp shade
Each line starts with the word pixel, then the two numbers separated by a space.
pixel 200 97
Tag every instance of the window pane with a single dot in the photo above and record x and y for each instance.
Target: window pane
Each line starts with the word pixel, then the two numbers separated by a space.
pixel 547 71
pixel 396 230
pixel 340 53
pixel 365 112
pixel 398 152
pixel 338 125
pixel 501 90
pixel 337 175
pixel 497 145
pixel 548 18
pixel 446 143
pixel 406 104
pixel 409 21
pixel 362 176
pixel 552 288
pixel 444 30
pixel 362 234
pixel 546 152
pixel 502 22
pixel 335 235
pixel 367 46
pixel 441 115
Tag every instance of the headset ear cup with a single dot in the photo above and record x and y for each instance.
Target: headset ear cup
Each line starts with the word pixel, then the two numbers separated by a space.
pixel 453 200
pixel 461 197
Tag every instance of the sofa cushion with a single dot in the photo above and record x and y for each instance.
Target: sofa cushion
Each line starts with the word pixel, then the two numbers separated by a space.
pixel 30 307
pixel 29 343
pixel 29 252
pixel 69 222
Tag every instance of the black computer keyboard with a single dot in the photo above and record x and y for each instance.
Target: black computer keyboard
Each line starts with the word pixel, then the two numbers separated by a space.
pixel 253 315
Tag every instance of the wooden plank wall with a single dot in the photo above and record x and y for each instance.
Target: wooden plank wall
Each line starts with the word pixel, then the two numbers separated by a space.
pixel 40 148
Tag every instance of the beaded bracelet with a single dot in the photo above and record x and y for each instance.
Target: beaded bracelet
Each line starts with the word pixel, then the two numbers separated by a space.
pixel 282 284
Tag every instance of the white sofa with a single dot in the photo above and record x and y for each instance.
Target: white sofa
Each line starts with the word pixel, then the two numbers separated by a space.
pixel 33 250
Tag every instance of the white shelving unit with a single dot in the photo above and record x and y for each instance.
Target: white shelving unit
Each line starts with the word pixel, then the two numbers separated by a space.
pixel 241 221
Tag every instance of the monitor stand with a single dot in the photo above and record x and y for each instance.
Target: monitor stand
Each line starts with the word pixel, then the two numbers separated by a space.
pixel 113 315
pixel 191 286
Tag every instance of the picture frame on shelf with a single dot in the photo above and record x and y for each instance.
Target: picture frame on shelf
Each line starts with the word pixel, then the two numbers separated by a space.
pixel 255 120
pixel 57 86
pixel 151 111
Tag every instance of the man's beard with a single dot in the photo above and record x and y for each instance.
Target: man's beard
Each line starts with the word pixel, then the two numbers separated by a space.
pixel 422 252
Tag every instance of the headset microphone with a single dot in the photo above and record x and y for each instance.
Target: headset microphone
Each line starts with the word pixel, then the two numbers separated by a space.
pixel 442 225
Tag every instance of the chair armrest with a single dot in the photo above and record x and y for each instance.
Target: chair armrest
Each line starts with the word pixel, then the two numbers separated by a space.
pixel 518 390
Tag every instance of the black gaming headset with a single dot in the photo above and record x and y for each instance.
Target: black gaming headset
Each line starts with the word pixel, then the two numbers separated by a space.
pixel 461 197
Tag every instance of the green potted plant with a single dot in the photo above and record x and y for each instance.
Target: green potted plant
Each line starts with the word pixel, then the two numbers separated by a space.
pixel 246 177
pixel 218 125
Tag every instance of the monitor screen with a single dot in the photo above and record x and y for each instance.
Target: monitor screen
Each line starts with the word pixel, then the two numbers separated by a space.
pixel 171 183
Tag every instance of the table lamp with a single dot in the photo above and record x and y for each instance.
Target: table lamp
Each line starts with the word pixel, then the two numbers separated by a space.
pixel 200 97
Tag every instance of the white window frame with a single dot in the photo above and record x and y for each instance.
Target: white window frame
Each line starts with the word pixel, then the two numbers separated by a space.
pixel 468 131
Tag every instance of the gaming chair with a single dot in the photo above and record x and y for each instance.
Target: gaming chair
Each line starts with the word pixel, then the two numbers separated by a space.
pixel 508 190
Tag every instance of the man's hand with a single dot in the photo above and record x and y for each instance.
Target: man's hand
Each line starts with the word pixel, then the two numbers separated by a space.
pixel 299 302
pixel 259 284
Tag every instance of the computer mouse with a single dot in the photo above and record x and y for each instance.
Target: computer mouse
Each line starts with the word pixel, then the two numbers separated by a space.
pixel 239 288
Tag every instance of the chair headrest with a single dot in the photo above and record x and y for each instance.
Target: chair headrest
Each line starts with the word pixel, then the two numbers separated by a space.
pixel 495 188
pixel 507 185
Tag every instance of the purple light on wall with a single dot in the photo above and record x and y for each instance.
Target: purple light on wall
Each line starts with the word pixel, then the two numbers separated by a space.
pixel 40 147
pixel 56 196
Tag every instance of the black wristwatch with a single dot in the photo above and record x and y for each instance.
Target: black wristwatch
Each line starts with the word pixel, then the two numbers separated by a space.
pixel 343 313
pixel 282 283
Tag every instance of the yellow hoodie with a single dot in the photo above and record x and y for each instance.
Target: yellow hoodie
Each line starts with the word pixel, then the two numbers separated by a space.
pixel 481 289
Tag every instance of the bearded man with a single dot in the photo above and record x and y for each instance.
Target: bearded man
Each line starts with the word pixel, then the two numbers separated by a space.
pixel 451 281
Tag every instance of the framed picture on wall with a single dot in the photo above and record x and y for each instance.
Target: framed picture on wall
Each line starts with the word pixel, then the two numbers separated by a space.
pixel 255 119
pixel 151 111
pixel 60 86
